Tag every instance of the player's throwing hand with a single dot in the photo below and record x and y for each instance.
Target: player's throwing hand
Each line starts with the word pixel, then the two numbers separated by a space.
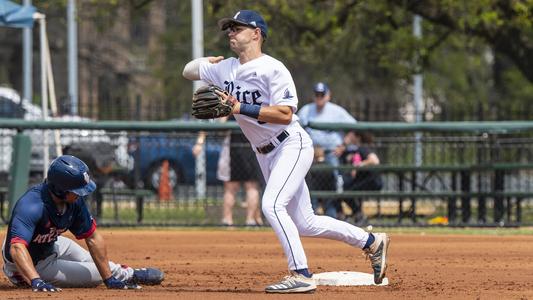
pixel 39 285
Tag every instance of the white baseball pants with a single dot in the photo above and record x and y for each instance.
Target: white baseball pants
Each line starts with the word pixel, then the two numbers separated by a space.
pixel 286 201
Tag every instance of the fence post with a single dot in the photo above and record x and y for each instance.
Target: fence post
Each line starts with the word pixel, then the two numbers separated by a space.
pixel 414 180
pixel 499 183
pixel 140 208
pixel 482 202
pixel 465 200
pixel 452 207
pixel 508 208
pixel 400 200
pixel 137 180
pixel 20 169
pixel 115 205
pixel 518 210
pixel 499 180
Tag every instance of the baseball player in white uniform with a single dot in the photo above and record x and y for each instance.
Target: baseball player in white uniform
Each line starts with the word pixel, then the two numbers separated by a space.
pixel 265 104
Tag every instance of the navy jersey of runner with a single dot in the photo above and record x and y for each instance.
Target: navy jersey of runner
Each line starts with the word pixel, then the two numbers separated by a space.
pixel 37 223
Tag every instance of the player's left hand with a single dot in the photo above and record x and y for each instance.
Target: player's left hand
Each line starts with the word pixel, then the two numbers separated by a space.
pixel 211 102
pixel 113 283
pixel 39 285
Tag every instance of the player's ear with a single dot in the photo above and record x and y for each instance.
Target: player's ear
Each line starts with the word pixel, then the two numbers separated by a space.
pixel 258 33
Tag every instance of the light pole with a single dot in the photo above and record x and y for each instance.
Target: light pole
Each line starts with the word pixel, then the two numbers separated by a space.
pixel 27 61
pixel 417 92
pixel 198 51
pixel 72 39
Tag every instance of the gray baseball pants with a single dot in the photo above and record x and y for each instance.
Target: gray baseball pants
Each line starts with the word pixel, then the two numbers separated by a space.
pixel 69 266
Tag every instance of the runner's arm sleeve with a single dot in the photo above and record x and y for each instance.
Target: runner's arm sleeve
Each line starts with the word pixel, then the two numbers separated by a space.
pixel 84 224
pixel 24 220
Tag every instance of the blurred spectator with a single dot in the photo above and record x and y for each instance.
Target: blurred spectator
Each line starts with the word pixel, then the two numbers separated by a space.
pixel 358 154
pixel 237 165
pixel 322 110
pixel 322 180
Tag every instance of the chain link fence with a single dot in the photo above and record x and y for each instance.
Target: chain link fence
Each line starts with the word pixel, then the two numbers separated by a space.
pixel 149 177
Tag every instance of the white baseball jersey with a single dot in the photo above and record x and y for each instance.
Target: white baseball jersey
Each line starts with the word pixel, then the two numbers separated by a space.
pixel 286 202
pixel 263 81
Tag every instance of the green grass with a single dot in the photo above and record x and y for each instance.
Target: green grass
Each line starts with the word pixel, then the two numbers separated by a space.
pixel 182 215
pixel 460 231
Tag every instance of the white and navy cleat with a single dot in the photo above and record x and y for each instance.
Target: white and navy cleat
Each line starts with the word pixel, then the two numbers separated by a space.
pixel 295 283
pixel 377 252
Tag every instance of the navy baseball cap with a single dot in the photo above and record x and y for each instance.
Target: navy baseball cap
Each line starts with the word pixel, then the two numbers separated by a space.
pixel 248 18
pixel 321 88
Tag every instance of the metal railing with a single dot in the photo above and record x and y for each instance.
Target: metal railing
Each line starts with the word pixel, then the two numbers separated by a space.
pixel 473 173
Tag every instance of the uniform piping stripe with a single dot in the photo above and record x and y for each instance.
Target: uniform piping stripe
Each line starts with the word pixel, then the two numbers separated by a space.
pixel 89 232
pixel 275 201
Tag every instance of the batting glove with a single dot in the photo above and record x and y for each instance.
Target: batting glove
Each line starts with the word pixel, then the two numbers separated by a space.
pixel 113 283
pixel 39 285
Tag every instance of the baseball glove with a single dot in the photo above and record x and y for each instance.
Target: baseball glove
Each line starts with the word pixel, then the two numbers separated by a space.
pixel 206 104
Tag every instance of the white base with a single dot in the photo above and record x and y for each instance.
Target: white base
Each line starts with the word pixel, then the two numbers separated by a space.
pixel 345 278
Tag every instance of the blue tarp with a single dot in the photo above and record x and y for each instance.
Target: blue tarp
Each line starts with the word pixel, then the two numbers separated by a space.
pixel 15 15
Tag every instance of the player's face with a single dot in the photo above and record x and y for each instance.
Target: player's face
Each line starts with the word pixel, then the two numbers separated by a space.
pixel 71 197
pixel 241 36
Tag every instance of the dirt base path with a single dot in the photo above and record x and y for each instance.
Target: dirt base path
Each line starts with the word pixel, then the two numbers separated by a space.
pixel 239 264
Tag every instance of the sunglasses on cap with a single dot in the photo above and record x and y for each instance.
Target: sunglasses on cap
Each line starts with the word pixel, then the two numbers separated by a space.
pixel 238 28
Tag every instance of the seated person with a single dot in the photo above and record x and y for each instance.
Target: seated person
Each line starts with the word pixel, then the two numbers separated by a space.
pixel 357 153
pixel 37 256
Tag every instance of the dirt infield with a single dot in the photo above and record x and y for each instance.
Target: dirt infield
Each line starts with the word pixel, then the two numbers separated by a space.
pixel 235 264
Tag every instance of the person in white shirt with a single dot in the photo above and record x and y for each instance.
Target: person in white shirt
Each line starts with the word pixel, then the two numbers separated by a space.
pixel 323 111
pixel 265 101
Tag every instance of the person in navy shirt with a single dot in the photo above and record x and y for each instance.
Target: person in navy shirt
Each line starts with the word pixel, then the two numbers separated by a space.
pixel 34 252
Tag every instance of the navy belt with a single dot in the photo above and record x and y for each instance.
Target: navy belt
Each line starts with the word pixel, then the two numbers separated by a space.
pixel 268 148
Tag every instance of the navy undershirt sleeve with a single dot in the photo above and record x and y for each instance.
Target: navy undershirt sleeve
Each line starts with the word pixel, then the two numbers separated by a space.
pixel 84 224
pixel 25 218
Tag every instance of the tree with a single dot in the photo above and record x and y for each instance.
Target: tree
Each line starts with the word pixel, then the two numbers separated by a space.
pixel 476 56
pixel 505 25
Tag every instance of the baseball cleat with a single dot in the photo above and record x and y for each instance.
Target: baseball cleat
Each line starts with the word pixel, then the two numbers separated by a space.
pixel 377 252
pixel 147 276
pixel 295 283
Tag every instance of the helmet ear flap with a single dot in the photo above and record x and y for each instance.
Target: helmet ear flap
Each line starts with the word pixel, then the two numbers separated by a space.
pixel 58 193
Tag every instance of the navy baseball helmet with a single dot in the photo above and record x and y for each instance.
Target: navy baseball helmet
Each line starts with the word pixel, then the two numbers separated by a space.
pixel 248 18
pixel 68 173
